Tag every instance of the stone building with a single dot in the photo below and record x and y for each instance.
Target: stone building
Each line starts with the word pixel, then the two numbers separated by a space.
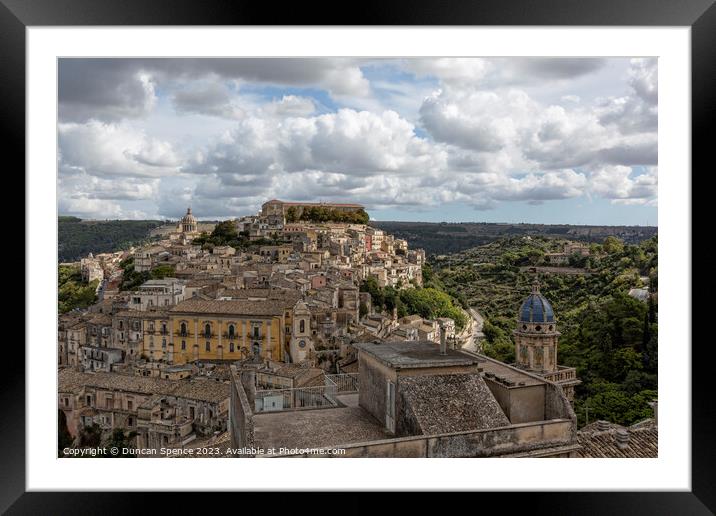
pixel 163 412
pixel 229 329
pixel 91 269
pixel 158 294
pixel 410 399
pixel 99 352
pixel 536 342
pixel 275 208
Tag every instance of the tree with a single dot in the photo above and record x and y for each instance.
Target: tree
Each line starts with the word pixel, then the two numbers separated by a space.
pixel 225 231
pixel 163 271
pixel 72 291
pixel 535 256
pixel 121 441
pixel 64 438
pixel 612 245
pixel 90 436
pixel 619 407
pixel 291 214
pixel 362 310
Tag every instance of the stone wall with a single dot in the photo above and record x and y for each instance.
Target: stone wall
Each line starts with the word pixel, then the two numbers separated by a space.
pixel 241 423
pixel 520 404
pixel 373 385
pixel 556 405
pixel 543 439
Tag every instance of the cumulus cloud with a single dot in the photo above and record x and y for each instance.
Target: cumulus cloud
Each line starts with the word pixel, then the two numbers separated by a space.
pixel 637 111
pixel 114 89
pixel 103 89
pixel 623 185
pixel 419 133
pixel 101 149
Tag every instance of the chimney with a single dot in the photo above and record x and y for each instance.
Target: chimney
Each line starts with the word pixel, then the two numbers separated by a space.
pixel 602 425
pixel 443 344
pixel 622 438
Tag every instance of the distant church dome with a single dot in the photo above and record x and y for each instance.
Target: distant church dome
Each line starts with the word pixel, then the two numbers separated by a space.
pixel 536 308
pixel 188 222
pixel 189 218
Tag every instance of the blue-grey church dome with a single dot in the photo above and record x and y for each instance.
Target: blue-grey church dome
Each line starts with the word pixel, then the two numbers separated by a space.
pixel 536 308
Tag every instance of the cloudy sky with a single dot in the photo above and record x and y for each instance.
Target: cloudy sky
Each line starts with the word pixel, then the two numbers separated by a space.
pixel 547 140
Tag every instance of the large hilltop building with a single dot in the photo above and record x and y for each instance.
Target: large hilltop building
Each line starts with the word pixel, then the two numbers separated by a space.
pixel 276 209
pixel 536 339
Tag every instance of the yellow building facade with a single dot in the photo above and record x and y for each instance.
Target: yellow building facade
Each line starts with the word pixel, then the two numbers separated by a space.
pixel 227 330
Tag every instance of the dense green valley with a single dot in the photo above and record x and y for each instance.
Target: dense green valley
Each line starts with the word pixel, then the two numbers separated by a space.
pixel 610 337
pixel 77 238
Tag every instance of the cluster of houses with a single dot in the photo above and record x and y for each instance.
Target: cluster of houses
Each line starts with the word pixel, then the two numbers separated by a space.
pixel 292 303
pixel 236 344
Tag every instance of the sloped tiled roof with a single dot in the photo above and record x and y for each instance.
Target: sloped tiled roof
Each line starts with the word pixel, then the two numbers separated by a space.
pixel 205 390
pixel 596 443
pixel 451 403
pixel 228 307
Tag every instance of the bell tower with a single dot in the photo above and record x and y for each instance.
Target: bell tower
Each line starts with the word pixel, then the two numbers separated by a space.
pixel 536 336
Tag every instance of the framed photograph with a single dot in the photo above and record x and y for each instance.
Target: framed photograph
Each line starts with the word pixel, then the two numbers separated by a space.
pixel 425 244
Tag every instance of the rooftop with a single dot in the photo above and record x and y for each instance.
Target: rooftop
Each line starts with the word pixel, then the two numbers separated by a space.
pixel 452 403
pixel 228 307
pixel 596 443
pixel 510 373
pixel 205 390
pixel 415 354
pixel 317 428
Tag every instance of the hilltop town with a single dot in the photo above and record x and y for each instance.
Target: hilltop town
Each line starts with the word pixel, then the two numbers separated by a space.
pixel 222 335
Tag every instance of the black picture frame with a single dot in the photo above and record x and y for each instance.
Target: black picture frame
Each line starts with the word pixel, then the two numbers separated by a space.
pixel 700 15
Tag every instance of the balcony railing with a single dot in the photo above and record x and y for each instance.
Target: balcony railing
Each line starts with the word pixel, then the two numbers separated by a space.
pixel 304 397
pixel 344 382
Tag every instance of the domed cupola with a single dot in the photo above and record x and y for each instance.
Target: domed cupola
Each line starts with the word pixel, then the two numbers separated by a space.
pixel 536 308
pixel 188 222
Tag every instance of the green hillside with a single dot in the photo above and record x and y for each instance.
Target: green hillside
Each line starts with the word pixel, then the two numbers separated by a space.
pixel 77 237
pixel 607 335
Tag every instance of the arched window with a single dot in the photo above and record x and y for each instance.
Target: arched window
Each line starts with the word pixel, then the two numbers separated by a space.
pixel 182 329
pixel 183 345
pixel 208 346
pixel 302 326
pixel 232 332
pixel 207 331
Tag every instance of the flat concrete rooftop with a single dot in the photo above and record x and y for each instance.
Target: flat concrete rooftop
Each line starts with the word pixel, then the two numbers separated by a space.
pixel 316 428
pixel 509 373
pixel 415 354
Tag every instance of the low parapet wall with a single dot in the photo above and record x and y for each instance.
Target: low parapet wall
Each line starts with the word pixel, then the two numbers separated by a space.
pixel 544 439
pixel 241 422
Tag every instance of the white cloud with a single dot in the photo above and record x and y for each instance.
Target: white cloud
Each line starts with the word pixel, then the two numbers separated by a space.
pixel 637 111
pixel 101 149
pixel 623 186
pixel 468 130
